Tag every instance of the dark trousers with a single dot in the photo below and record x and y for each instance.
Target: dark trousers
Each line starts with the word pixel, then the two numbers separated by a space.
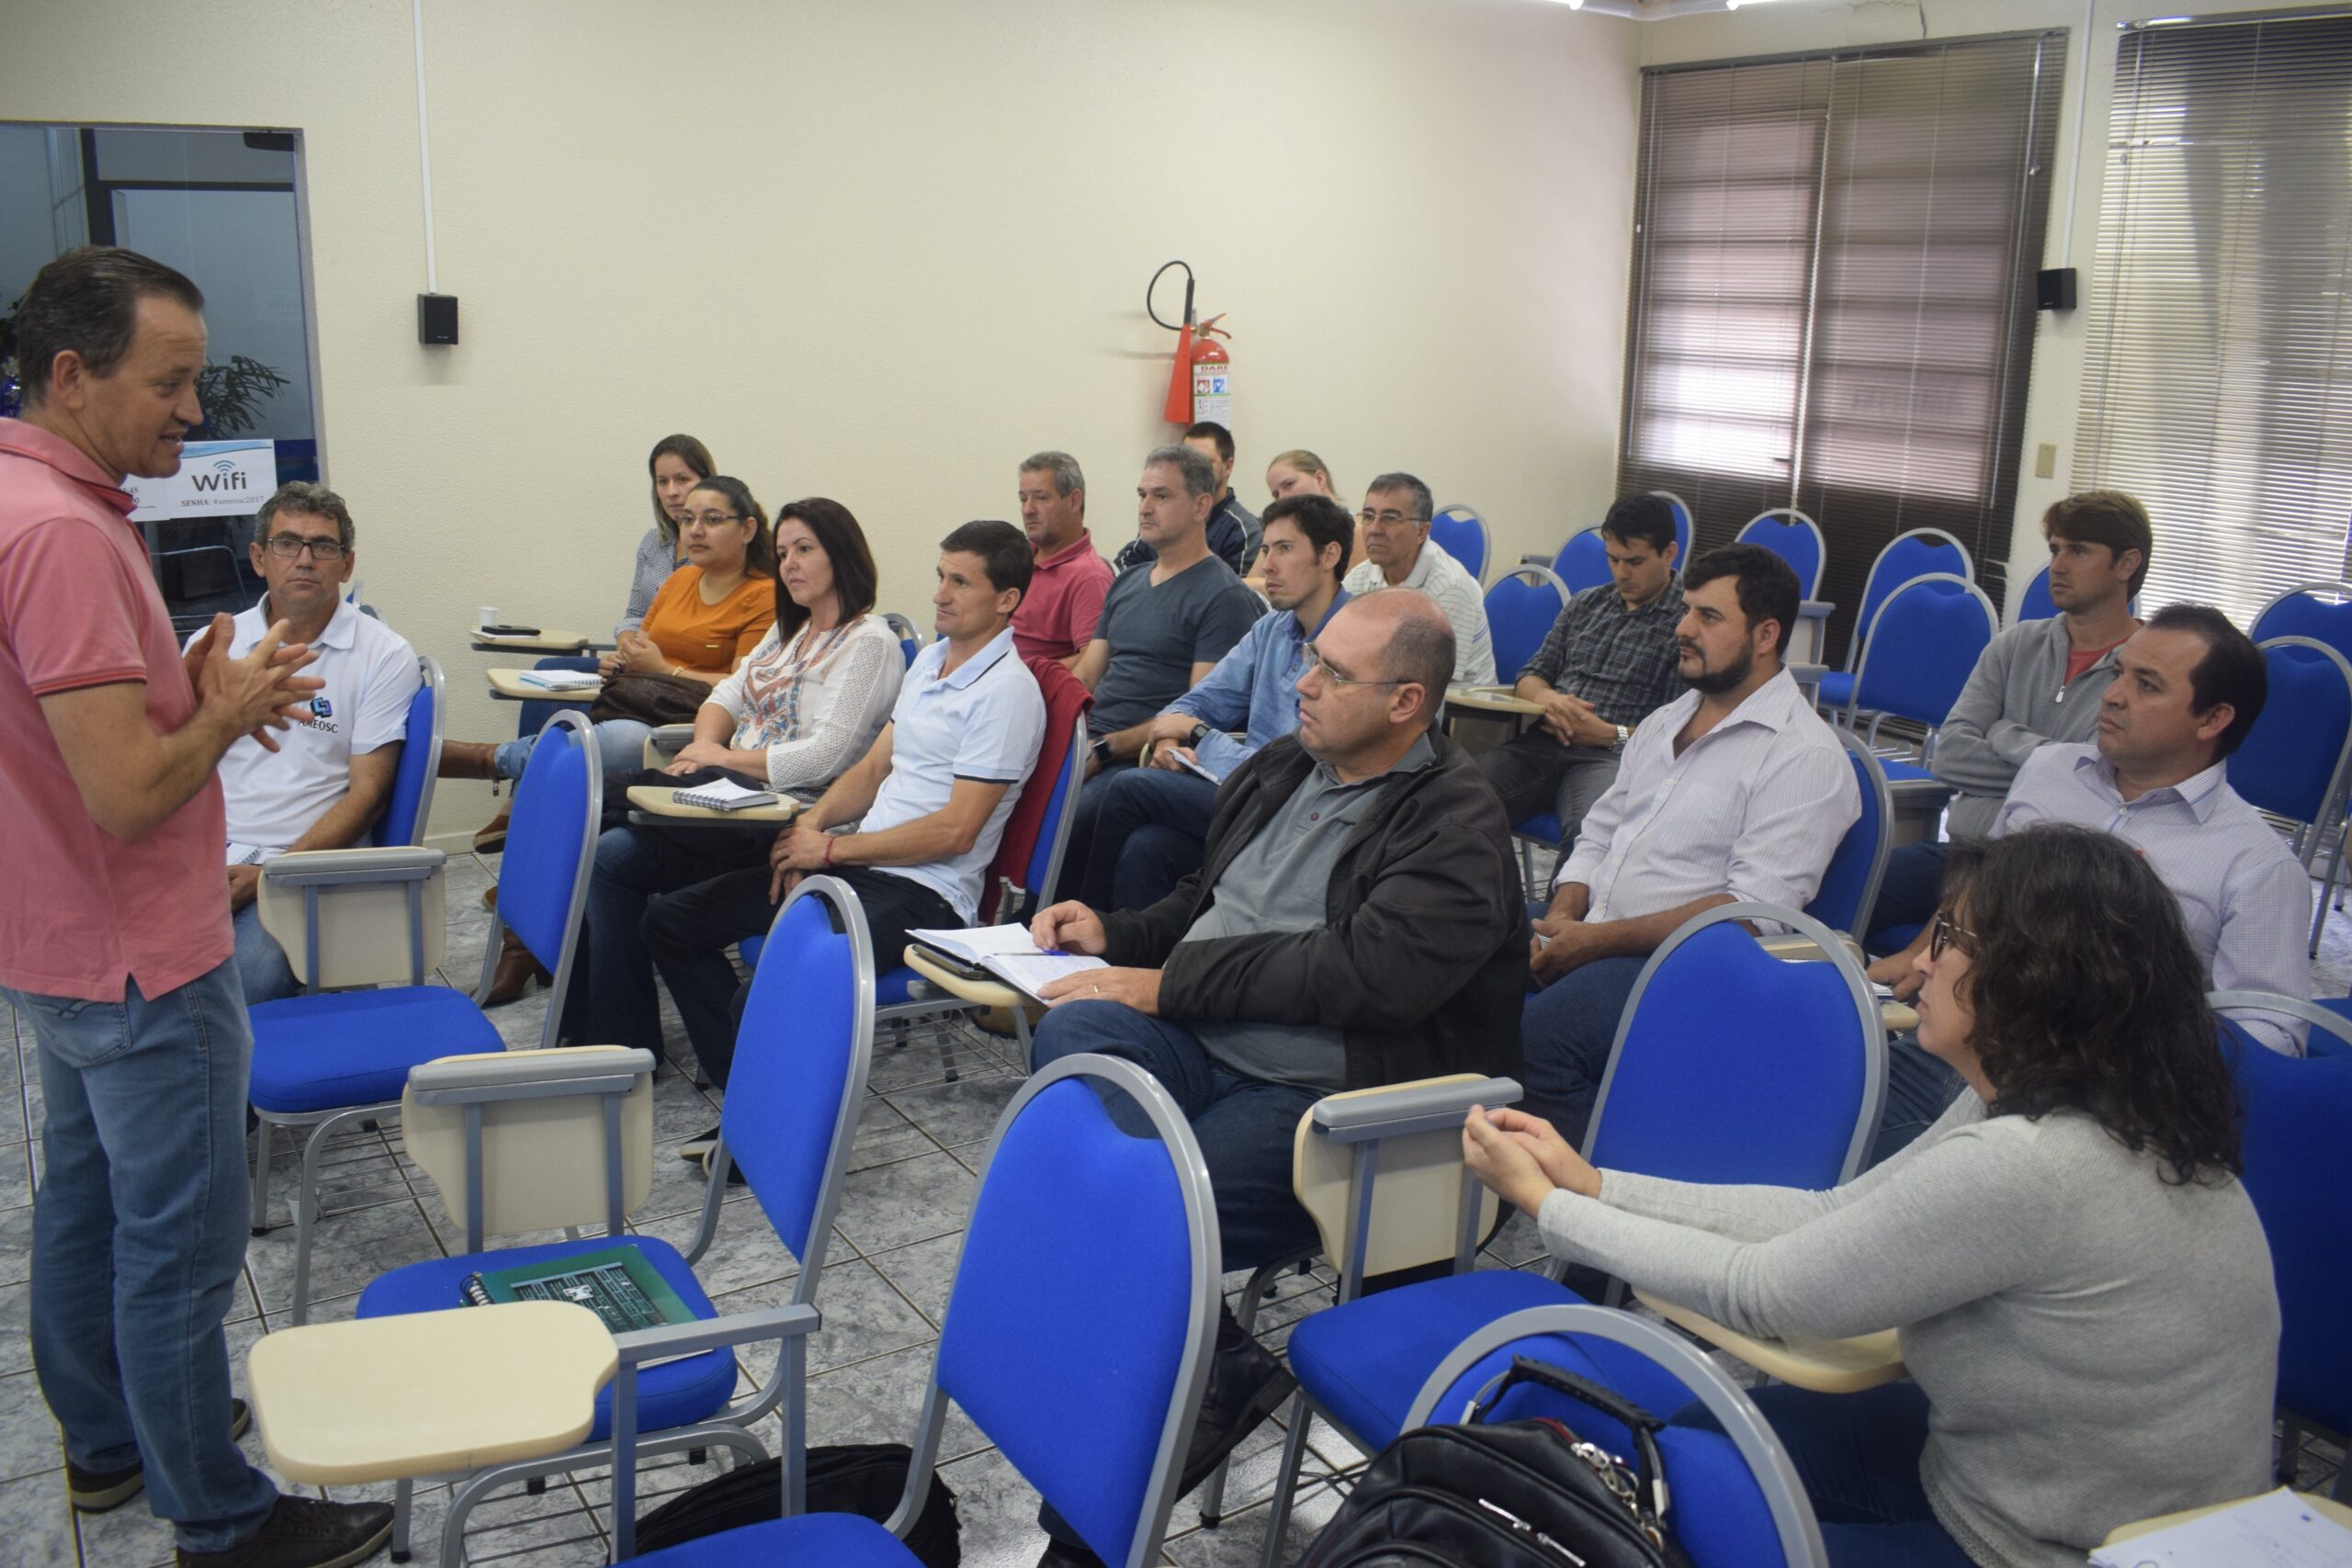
pixel 689 931
pixel 1243 1125
pixel 1919 1087
pixel 1567 1034
pixel 611 1000
pixel 1147 829
pixel 1858 1455
pixel 1909 895
pixel 1534 774
pixel 1084 813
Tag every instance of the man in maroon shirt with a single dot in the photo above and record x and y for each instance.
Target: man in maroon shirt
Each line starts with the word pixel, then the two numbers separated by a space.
pixel 116 950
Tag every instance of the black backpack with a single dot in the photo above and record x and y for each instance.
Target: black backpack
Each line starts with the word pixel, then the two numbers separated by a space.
pixel 856 1478
pixel 1509 1495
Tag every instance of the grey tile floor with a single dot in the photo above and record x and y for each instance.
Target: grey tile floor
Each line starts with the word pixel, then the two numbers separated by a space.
pixel 891 1260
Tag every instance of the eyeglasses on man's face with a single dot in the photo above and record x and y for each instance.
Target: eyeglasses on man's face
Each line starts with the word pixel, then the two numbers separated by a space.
pixel 1388 518
pixel 289 546
pixel 1322 668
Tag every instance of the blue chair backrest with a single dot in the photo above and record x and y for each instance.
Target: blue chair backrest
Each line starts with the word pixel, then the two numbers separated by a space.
pixel 1733 1066
pixel 402 823
pixel 551 843
pixel 1461 533
pixel 2298 1124
pixel 2037 604
pixel 1681 526
pixel 1071 1209
pixel 2303 611
pixel 1045 867
pixel 1520 612
pixel 1918 654
pixel 909 636
pixel 798 1086
pixel 1797 539
pixel 1922 552
pixel 536 711
pixel 1583 561
pixel 1850 887
pixel 2293 761
pixel 1734 1499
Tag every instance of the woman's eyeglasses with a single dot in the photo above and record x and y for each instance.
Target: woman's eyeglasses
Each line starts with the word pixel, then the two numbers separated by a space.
pixel 1946 933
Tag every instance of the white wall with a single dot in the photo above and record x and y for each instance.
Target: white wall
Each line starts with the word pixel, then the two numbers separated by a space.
pixel 1797 25
pixel 881 251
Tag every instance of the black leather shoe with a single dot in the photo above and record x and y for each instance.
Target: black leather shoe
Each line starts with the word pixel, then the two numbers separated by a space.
pixel 1247 1383
pixel 97 1491
pixel 306 1532
pixel 1061 1554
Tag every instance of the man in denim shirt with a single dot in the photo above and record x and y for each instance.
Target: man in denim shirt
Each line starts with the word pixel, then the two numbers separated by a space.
pixel 1149 830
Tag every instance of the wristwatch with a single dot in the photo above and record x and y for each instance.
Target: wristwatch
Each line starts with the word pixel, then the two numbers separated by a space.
pixel 1198 730
pixel 1102 749
pixel 1623 735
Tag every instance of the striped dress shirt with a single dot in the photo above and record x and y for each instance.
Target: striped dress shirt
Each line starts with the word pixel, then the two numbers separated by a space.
pixel 2245 898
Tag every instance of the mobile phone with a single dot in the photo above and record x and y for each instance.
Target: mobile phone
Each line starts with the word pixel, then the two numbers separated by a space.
pixel 509 631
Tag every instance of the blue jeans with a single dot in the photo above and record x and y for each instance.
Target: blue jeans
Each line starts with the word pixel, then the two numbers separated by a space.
pixel 139 1232
pixel 1243 1125
pixel 619 741
pixel 1083 812
pixel 262 968
pixel 611 998
pixel 1919 1087
pixel 1565 1036
pixel 1858 1455
pixel 1147 831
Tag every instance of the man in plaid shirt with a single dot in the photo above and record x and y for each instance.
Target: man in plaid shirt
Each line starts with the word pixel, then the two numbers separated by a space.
pixel 1607 661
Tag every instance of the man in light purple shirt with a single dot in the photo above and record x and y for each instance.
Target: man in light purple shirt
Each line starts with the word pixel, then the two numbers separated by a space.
pixel 1735 792
pixel 2187 688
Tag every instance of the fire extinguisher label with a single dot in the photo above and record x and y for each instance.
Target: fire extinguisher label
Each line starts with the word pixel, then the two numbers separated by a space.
pixel 1212 394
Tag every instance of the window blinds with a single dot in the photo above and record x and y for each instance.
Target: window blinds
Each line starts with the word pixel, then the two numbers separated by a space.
pixel 2218 382
pixel 1833 291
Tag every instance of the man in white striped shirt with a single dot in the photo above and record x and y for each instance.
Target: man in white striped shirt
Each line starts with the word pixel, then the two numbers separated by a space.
pixel 1735 792
pixel 2188 686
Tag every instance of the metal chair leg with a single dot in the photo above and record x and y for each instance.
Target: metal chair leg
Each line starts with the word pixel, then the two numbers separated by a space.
pixel 1286 1479
pixel 1253 1295
pixel 404 1506
pixel 265 1148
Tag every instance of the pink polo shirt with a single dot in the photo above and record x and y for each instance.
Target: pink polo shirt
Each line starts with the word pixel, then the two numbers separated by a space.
pixel 84 911
pixel 1056 616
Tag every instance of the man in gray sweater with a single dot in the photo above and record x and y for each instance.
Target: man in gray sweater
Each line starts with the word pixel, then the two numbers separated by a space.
pixel 2039 682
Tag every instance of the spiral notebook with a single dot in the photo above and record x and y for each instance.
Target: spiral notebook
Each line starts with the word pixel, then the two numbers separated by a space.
pixel 723 795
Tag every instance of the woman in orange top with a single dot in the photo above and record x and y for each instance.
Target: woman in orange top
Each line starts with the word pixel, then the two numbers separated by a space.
pixel 715 609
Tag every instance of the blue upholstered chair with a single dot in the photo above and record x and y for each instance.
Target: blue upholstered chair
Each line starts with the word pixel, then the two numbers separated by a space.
pixel 2037 604
pixel 1682 526
pixel 1583 561
pixel 1797 539
pixel 1923 642
pixel 1849 888
pixel 2320 611
pixel 1096 1406
pixel 2296 762
pixel 412 800
pixel 1735 1500
pixel 373 917
pixel 910 636
pixel 1521 609
pixel 1461 533
pixel 1922 552
pixel 792 1109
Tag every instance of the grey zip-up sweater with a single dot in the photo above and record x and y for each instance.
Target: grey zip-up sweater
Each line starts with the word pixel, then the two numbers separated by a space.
pixel 2016 698
pixel 2097 1346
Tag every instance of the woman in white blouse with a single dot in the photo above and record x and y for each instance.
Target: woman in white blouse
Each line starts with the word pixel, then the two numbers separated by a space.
pixel 807 703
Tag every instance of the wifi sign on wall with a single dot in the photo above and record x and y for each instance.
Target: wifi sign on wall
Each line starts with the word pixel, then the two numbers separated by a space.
pixel 233 476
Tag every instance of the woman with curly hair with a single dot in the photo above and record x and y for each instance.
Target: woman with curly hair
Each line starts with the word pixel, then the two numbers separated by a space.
pixel 2081 1287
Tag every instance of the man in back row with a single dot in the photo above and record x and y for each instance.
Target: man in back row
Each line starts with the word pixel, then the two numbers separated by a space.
pixel 1233 531
pixel 1607 663
pixel 1057 615
pixel 928 801
pixel 117 954
pixel 1397 509
pixel 1735 792
pixel 331 774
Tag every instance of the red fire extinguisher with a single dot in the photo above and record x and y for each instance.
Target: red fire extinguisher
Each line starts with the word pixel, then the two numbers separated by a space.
pixel 1200 382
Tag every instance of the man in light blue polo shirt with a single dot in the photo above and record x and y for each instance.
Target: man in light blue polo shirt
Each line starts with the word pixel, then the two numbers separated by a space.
pixel 1149 826
pixel 922 812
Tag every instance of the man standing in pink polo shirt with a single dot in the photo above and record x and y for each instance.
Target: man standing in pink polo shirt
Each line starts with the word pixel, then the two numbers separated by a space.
pixel 1056 616
pixel 116 950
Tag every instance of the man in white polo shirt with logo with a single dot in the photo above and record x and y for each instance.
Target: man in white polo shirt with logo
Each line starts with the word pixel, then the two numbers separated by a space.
pixel 331 774
pixel 914 822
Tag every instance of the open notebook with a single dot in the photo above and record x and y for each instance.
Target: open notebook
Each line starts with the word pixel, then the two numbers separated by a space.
pixel 1007 953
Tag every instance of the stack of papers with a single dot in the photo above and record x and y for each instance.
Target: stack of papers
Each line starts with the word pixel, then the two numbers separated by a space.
pixel 2277 1529
pixel 1008 953
pixel 559 679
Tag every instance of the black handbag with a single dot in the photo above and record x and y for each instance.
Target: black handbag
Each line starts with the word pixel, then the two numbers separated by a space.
pixel 856 1478
pixel 654 699
pixel 1508 1495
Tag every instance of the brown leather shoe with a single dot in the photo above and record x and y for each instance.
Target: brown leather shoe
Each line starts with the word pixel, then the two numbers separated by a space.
pixel 516 969
pixel 469 759
pixel 489 897
pixel 490 837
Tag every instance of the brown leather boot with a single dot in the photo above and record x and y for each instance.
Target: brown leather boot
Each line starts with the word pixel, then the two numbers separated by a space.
pixel 490 837
pixel 469 759
pixel 515 969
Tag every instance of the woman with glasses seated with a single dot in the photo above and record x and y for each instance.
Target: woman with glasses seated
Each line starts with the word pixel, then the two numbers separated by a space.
pixel 807 703
pixel 708 615
pixel 2081 1288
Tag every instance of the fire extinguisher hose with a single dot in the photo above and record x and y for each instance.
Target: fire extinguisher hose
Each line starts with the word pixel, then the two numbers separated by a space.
pixel 1149 288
